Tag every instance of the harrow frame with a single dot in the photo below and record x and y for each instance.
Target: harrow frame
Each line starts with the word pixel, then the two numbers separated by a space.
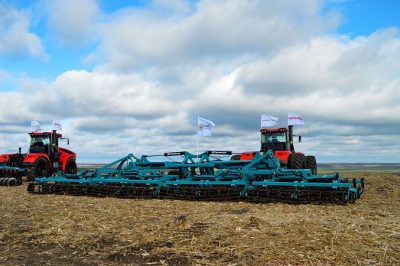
pixel 203 177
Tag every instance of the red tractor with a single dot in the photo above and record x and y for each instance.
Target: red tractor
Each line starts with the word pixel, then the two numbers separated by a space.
pixel 45 157
pixel 280 141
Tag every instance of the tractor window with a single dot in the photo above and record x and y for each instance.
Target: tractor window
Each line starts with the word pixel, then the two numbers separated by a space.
pixel 274 138
pixel 39 141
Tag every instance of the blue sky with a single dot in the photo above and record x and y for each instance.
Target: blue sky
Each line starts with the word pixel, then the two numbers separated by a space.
pixel 365 17
pixel 132 76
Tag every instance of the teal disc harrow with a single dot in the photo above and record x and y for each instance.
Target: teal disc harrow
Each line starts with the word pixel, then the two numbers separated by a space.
pixel 207 176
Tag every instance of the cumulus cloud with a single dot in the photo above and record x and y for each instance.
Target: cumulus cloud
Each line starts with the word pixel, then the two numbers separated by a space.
pixel 213 30
pixel 228 61
pixel 73 21
pixel 351 80
pixel 16 38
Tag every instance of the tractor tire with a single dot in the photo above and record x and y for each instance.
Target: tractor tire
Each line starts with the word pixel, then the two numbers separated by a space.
pixel 235 157
pixel 311 163
pixel 296 161
pixel 71 167
pixel 41 168
pixel 12 182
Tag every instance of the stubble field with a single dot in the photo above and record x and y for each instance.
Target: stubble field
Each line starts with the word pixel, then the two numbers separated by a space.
pixel 70 230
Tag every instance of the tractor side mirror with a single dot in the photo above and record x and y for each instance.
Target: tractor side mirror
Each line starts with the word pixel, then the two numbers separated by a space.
pixel 66 139
pixel 299 138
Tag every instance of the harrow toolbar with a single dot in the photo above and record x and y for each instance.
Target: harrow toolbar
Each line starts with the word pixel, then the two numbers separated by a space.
pixel 207 176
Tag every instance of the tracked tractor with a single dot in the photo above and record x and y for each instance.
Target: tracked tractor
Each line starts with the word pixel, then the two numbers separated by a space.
pixel 280 141
pixel 45 157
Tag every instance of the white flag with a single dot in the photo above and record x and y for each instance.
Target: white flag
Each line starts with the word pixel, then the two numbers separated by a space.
pixel 57 125
pixel 35 126
pixel 295 119
pixel 268 120
pixel 204 127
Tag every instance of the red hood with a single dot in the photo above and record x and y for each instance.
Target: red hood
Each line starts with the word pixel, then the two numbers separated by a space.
pixel 4 158
pixel 64 150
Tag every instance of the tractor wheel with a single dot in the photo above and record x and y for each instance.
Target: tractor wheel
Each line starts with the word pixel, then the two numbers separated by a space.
pixel 41 168
pixel 311 163
pixel 12 182
pixel 235 157
pixel 296 161
pixel 71 167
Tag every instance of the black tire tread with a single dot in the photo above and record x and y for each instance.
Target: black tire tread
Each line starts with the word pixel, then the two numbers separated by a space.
pixel 34 173
pixel 311 163
pixel 296 161
pixel 68 164
pixel 235 157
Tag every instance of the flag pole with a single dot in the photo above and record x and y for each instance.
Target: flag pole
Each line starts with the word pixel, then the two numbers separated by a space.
pixel 197 150
pixel 197 140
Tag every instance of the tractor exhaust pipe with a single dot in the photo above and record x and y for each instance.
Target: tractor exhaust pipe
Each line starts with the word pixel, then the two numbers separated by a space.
pixel 53 136
pixel 291 138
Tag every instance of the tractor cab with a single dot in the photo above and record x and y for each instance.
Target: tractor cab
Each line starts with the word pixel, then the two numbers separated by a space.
pixel 45 142
pixel 280 141
pixel 277 139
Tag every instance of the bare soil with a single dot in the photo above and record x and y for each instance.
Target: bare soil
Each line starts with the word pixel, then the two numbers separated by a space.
pixel 70 230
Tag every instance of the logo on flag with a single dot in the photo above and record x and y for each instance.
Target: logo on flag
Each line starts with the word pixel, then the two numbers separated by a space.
pixel 204 127
pixel 268 120
pixel 295 119
pixel 35 126
pixel 57 125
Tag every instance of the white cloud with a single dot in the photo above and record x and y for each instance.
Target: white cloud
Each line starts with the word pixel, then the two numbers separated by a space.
pixel 349 79
pixel 228 61
pixel 16 39
pixel 214 30
pixel 73 21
